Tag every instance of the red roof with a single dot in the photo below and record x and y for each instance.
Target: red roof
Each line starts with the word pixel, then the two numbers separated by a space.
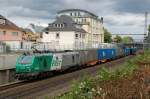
pixel 8 25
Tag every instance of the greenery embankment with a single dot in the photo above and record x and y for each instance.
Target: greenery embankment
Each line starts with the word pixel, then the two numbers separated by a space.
pixel 130 81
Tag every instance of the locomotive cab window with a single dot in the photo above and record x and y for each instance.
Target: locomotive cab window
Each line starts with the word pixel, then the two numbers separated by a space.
pixel 26 60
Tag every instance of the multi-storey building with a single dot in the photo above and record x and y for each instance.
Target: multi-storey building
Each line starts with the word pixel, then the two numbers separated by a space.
pixel 89 22
pixel 64 31
pixel 10 33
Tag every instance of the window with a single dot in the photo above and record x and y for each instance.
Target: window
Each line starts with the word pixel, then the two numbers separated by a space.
pixel 75 14
pixel 73 59
pixel 76 20
pixel 26 60
pixel 57 35
pixel 79 14
pixel 84 20
pixel 2 21
pixel 54 25
pixel 70 14
pixel 15 33
pixel 76 36
pixel 46 33
pixel 62 25
pixel 58 25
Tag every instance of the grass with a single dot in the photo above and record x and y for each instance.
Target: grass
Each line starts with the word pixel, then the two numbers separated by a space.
pixel 88 88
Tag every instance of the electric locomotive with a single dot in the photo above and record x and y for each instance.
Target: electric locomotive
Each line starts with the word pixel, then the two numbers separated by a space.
pixel 38 65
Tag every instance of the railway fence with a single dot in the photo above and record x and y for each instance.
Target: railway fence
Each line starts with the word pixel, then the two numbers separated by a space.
pixel 29 46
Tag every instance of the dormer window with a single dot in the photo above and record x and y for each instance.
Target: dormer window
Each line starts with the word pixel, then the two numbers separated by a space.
pixel 55 25
pixel 2 21
pixel 62 25
pixel 58 25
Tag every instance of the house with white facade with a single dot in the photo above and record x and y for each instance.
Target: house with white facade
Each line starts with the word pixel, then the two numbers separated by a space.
pixel 64 32
pixel 90 22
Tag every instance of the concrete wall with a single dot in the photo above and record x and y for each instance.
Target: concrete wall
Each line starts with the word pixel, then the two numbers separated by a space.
pixel 8 61
pixel 7 68
pixel 7 76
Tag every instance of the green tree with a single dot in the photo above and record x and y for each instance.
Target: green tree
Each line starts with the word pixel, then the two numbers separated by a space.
pixel 118 39
pixel 107 36
pixel 148 28
pixel 148 38
pixel 127 39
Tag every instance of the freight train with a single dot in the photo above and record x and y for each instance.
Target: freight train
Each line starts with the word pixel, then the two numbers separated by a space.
pixel 38 65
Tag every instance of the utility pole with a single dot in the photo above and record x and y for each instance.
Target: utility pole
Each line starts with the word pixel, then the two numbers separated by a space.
pixel 145 30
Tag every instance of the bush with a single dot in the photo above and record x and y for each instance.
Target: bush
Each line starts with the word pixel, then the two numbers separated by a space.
pixel 87 88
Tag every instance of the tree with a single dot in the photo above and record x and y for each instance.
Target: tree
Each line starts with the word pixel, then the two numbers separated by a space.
pixel 148 38
pixel 118 39
pixel 148 28
pixel 107 36
pixel 127 39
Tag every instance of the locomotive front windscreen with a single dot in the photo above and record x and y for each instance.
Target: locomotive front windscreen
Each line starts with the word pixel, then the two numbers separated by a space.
pixel 26 60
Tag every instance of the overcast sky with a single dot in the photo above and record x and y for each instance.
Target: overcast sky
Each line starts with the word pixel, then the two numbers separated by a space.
pixel 120 16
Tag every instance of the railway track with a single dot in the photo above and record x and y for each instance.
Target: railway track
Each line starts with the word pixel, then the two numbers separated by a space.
pixel 54 85
pixel 10 85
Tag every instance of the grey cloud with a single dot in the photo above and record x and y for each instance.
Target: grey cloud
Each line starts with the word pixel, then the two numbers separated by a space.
pixel 31 8
pixel 132 6
pixel 25 11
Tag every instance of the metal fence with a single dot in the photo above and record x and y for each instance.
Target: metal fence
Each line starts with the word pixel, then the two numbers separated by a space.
pixel 28 46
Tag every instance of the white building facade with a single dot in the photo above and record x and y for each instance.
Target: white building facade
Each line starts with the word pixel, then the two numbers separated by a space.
pixel 89 22
pixel 65 33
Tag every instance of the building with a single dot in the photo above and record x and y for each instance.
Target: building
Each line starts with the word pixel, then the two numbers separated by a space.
pixel 28 35
pixel 10 33
pixel 64 31
pixel 89 22
pixel 37 30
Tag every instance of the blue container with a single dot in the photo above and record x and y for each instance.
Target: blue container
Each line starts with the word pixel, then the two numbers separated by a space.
pixel 102 54
pixel 133 51
pixel 111 53
pixel 127 51
pixel 106 54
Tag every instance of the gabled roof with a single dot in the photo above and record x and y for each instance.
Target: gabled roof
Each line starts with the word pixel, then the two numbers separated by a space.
pixel 8 25
pixel 69 25
pixel 35 28
pixel 27 30
pixel 1 17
